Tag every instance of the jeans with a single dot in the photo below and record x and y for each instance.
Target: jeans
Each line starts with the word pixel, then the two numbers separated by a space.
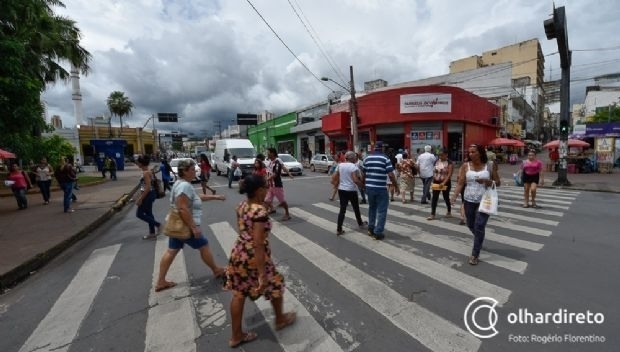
pixel 231 177
pixel 446 198
pixel 67 190
pixel 113 174
pixel 426 188
pixel 378 201
pixel 20 197
pixel 346 197
pixel 476 222
pixel 44 187
pixel 145 211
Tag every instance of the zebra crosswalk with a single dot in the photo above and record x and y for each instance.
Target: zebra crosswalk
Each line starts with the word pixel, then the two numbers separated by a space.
pixel 342 287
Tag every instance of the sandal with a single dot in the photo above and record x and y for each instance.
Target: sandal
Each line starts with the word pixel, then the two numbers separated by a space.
pixel 432 217
pixel 536 206
pixel 167 285
pixel 525 206
pixel 247 337
pixel 473 260
pixel 289 319
pixel 462 222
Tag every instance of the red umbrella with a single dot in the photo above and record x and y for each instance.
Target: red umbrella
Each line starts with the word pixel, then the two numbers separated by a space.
pixel 6 155
pixel 506 141
pixel 571 144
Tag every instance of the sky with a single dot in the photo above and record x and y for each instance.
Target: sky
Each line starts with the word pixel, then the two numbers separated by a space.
pixel 208 60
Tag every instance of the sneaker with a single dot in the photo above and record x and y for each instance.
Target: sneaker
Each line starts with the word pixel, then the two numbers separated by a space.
pixel 370 232
pixel 378 237
pixel 149 236
pixel 363 225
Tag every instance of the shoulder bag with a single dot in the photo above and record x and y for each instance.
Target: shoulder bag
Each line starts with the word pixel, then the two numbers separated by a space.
pixel 175 227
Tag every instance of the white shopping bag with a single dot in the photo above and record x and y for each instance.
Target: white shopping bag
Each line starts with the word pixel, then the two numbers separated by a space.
pixel 488 203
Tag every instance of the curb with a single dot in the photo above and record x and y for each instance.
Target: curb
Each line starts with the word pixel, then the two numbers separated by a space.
pixel 30 266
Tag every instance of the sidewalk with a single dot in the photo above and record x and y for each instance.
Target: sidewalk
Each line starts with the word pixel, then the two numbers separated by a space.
pixel 30 238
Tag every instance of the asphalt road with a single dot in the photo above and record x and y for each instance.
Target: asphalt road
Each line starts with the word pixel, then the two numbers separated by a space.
pixel 407 293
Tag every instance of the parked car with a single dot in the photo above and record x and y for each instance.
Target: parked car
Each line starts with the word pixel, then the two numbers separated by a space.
pixel 321 162
pixel 174 163
pixel 293 166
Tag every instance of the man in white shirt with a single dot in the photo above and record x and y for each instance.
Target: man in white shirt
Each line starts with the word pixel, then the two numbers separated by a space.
pixel 426 162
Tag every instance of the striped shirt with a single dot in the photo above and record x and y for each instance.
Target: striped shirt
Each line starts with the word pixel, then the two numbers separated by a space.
pixel 377 166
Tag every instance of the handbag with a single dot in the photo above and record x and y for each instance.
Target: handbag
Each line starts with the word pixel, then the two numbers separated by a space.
pixel 438 187
pixel 175 227
pixel 489 201
pixel 159 187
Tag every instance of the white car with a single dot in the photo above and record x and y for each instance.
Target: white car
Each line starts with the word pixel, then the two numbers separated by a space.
pixel 174 163
pixel 293 166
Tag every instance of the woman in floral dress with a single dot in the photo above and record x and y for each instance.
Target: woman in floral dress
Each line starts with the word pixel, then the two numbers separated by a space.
pixel 407 169
pixel 251 272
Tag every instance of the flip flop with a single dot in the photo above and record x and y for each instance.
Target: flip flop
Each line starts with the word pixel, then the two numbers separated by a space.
pixel 289 319
pixel 247 337
pixel 169 284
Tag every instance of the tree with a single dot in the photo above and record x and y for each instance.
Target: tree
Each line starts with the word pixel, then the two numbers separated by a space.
pixel 33 42
pixel 119 105
pixel 607 114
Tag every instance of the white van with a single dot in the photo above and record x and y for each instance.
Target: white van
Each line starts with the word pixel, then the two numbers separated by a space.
pixel 224 151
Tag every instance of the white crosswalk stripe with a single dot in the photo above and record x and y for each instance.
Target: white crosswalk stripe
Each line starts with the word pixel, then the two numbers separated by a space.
pixel 60 326
pixel 174 323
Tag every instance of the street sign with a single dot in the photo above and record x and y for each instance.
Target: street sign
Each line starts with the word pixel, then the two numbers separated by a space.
pixel 247 119
pixel 167 117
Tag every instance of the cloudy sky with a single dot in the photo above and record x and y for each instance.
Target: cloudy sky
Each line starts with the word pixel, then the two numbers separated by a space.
pixel 208 60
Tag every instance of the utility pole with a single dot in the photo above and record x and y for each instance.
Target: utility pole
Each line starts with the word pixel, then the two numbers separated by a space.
pixel 555 28
pixel 353 107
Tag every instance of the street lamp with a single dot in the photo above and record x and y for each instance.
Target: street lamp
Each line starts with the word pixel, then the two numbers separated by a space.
pixel 352 105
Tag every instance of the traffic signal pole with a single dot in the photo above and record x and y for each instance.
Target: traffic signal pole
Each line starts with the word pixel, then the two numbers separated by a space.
pixel 555 28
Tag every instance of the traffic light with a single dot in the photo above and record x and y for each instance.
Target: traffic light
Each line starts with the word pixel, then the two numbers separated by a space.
pixel 563 127
pixel 555 28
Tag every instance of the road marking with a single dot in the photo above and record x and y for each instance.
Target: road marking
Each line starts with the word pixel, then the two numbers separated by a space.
pixel 171 323
pixel 467 284
pixel 431 330
pixel 60 326
pixel 452 244
pixel 490 234
pixel 309 336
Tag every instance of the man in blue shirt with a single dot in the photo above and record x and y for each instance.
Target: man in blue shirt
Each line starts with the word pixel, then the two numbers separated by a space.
pixel 377 168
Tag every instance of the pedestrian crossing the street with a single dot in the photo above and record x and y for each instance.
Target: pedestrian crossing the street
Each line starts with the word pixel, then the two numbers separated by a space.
pixel 342 287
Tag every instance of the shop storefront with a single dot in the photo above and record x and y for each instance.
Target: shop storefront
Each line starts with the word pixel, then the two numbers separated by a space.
pixel 413 117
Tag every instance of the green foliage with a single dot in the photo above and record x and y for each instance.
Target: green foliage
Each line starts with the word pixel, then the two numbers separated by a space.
pixel 33 42
pixel 55 147
pixel 119 105
pixel 604 115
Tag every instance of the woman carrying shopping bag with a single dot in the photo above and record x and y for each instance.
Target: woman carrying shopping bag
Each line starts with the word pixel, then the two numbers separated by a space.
pixel 475 176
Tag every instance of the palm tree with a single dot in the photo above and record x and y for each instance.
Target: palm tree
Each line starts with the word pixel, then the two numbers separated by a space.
pixel 119 105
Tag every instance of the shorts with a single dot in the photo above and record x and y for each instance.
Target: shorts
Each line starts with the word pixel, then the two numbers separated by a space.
pixel 196 243
pixel 531 178
pixel 275 192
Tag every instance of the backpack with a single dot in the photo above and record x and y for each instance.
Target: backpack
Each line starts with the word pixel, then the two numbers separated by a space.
pixel 159 187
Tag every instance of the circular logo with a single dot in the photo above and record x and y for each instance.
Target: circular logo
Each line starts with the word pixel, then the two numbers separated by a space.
pixel 481 310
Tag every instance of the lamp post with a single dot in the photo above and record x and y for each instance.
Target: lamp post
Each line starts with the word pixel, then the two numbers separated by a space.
pixel 352 105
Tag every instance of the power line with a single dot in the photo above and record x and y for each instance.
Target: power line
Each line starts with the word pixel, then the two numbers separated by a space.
pixel 316 39
pixel 286 46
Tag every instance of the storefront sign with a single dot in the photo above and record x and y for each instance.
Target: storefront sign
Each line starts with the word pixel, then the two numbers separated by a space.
pixel 604 144
pixel 426 137
pixel 603 129
pixel 421 103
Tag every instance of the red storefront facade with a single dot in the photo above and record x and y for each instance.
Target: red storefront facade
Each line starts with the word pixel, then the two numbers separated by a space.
pixel 412 117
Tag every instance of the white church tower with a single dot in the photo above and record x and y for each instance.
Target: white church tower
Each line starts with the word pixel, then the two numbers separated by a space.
pixel 76 96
